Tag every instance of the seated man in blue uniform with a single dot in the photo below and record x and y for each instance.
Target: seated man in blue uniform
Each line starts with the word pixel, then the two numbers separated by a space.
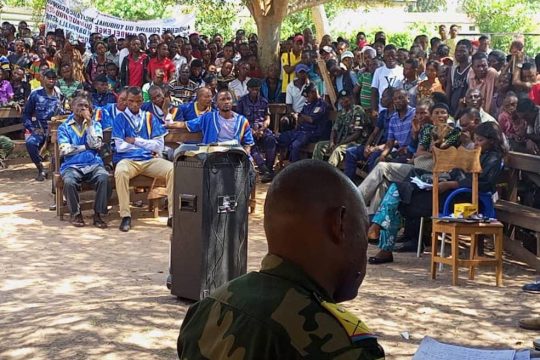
pixel 255 108
pixel 312 125
pixel 43 104
pixel 222 125
pixel 114 109
pixel 139 139
pixel 79 140
pixel 160 106
pixel 102 95
pixel 201 105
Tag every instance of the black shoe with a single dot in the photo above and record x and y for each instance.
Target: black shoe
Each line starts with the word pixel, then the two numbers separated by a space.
pixel 409 246
pixel 98 222
pixel 267 177
pixel 52 207
pixel 376 261
pixel 169 222
pixel 77 220
pixel 42 175
pixel 125 225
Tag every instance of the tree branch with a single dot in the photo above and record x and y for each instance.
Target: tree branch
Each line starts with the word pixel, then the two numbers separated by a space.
pixel 299 5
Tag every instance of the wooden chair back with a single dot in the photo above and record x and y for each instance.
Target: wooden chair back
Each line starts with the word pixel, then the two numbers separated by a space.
pixel 446 160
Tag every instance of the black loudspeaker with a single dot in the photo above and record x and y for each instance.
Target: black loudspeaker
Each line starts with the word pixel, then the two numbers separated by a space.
pixel 210 218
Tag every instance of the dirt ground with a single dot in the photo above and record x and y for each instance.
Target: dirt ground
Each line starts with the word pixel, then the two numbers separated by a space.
pixel 69 293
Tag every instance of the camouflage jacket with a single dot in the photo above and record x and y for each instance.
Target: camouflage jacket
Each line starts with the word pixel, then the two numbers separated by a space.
pixel 276 313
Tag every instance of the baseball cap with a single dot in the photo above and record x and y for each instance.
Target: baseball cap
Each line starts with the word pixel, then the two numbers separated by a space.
pixel 347 54
pixel 299 38
pixel 301 67
pixel 327 49
pixel 50 74
pixel 254 83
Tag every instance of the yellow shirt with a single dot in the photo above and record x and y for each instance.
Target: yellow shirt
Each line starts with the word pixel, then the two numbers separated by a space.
pixel 288 59
pixel 451 43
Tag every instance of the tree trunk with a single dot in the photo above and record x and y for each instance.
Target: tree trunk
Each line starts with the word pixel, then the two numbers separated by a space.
pixel 268 16
pixel 321 22
pixel 268 30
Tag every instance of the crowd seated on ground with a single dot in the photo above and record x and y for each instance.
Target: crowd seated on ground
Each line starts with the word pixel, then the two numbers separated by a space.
pixel 393 104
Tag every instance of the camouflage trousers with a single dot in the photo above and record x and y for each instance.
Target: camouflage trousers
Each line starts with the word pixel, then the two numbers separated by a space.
pixel 335 158
pixel 6 147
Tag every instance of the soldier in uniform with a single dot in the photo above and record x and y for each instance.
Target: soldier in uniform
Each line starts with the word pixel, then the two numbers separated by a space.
pixel 289 309
pixel 351 128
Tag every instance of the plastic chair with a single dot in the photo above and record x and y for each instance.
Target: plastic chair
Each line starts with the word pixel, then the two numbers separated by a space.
pixel 487 208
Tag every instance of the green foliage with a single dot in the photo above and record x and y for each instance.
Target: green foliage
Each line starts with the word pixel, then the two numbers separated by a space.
pixel 133 10
pixel 298 21
pixel 502 16
pixel 428 6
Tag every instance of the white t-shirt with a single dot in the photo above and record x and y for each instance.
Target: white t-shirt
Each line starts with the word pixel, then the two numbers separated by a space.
pixel 294 97
pixel 238 88
pixel 385 77
pixel 121 55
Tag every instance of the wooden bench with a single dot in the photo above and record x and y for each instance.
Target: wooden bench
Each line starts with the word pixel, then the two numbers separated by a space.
pixel 512 213
pixel 145 183
pixel 7 113
pixel 276 112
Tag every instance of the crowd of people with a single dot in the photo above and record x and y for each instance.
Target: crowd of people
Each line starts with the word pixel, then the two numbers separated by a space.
pixel 393 104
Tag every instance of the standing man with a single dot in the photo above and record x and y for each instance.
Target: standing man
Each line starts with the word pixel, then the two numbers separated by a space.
pixel 255 108
pixel 352 127
pixel 163 62
pixel 289 60
pixel 307 230
pixel 79 140
pixel 457 82
pixel 483 78
pixel 113 55
pixel 134 66
pixel 43 104
pixel 389 75
pixel 138 137
pixel 453 40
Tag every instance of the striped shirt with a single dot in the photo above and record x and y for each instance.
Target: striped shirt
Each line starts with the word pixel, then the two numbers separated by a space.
pixel 400 129
pixel 365 79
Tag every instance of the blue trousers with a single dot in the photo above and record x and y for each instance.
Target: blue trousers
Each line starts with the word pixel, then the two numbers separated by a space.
pixel 33 144
pixel 355 154
pixel 264 150
pixel 294 140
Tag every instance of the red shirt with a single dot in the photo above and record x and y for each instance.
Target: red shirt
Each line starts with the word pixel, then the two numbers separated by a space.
pixel 136 70
pixel 165 64
pixel 534 94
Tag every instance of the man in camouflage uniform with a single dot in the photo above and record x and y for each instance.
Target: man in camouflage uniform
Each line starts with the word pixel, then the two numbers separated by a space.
pixel 6 147
pixel 288 310
pixel 352 127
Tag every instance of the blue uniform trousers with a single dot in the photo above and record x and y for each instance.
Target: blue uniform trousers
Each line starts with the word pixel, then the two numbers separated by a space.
pixel 355 154
pixel 294 140
pixel 33 143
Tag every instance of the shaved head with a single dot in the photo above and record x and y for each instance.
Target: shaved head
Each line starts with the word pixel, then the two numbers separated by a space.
pixel 315 217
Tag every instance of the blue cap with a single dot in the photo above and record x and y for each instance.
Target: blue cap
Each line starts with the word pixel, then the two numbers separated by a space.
pixel 301 67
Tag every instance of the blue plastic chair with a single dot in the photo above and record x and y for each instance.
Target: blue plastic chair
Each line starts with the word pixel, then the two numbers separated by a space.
pixel 485 200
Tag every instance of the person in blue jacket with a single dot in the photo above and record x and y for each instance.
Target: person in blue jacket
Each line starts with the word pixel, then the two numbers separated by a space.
pixel 157 105
pixel 79 140
pixel 201 105
pixel 43 104
pixel 222 125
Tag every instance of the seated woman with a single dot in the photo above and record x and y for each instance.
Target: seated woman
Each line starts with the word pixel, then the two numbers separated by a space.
pixel 407 200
